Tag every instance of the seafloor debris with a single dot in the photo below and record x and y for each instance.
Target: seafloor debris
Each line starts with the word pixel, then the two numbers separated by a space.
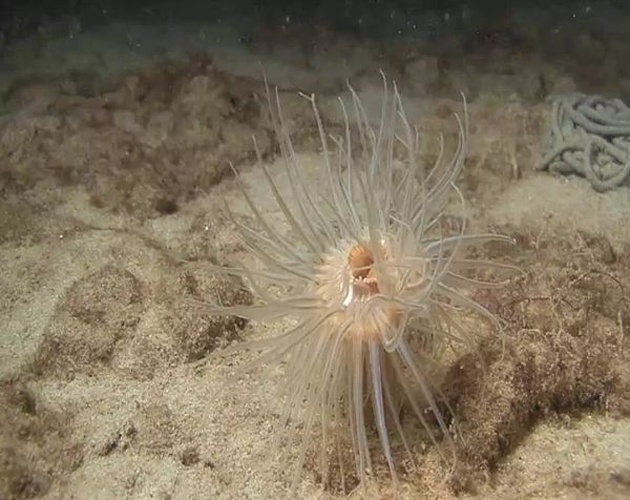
pixel 589 136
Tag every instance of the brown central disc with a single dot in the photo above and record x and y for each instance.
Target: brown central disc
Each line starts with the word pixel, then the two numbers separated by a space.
pixel 361 260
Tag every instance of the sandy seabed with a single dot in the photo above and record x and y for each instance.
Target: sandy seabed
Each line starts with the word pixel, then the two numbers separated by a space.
pixel 111 212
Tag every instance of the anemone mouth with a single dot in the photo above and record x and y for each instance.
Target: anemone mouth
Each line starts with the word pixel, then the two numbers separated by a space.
pixel 352 281
pixel 364 283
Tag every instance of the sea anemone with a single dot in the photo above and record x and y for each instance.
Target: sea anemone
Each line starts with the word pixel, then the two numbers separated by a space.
pixel 374 276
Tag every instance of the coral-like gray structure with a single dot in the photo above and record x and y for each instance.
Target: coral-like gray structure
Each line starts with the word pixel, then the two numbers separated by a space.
pixel 589 136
